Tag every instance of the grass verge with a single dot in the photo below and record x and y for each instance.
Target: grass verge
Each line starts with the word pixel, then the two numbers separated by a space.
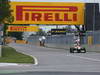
pixel 10 55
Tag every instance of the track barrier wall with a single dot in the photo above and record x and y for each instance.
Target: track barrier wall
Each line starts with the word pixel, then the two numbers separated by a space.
pixel 91 41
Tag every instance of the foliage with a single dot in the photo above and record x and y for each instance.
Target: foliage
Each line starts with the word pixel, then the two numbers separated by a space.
pixel 17 35
pixel 5 12
pixel 41 32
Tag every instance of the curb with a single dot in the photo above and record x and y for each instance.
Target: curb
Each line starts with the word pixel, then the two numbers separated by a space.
pixel 8 64
pixel 16 64
pixel 36 61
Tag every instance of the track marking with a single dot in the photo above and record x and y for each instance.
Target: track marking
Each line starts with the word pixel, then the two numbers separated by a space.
pixel 36 61
pixel 91 59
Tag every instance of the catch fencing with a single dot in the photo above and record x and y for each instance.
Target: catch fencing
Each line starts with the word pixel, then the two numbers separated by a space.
pixel 90 40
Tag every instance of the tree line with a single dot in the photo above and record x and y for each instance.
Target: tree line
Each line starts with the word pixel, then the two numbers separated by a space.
pixel 7 18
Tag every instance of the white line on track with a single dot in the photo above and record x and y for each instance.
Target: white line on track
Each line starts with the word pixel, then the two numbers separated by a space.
pixel 91 59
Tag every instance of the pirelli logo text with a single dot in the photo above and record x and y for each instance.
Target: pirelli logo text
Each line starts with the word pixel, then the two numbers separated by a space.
pixel 20 15
pixel 48 13
pixel 13 28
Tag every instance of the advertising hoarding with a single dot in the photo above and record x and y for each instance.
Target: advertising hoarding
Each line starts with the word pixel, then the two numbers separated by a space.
pixel 48 13
pixel 13 28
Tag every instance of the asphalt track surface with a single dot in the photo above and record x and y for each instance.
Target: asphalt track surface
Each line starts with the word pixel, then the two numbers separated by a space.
pixel 56 61
pixel 54 73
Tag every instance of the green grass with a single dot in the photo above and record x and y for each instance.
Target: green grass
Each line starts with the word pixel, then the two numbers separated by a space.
pixel 10 55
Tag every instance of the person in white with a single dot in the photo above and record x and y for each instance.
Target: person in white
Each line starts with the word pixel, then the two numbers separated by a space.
pixel 42 40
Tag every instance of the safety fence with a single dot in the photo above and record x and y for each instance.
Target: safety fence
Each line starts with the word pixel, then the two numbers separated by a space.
pixel 91 40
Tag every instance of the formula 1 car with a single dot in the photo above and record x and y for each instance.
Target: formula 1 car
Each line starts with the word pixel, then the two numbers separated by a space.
pixel 77 50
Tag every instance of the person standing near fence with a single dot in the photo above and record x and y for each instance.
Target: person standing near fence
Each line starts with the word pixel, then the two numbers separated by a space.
pixel 43 40
pixel 40 41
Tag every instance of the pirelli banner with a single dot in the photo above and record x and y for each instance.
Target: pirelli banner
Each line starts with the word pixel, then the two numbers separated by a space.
pixel 48 13
pixel 13 28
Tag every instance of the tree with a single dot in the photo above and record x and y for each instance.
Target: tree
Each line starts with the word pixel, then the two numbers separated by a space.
pixel 41 32
pixel 5 15
pixel 5 12
pixel 19 35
